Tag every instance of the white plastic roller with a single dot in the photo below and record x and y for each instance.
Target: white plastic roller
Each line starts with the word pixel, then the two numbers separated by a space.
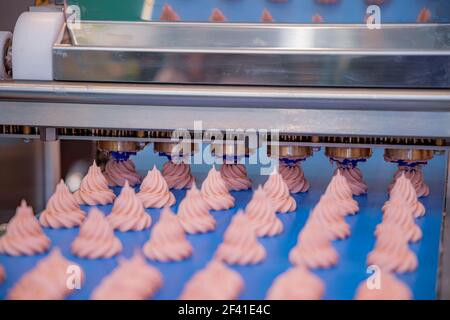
pixel 147 10
pixel 5 39
pixel 34 36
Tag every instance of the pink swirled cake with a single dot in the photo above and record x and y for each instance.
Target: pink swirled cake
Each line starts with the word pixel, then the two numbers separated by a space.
pixel 278 192
pixel 217 16
pixel 294 177
pixel 24 235
pixel 215 282
pixel 404 192
pixel 193 213
pixel 168 14
pixel 96 239
pixel 391 252
pixel 354 178
pixel 94 188
pixel 314 249
pixel 117 172
pixel 415 175
pixel 128 213
pixel 331 217
pixel 215 191
pixel 297 283
pixel 400 215
pixel 62 210
pixel 154 191
pixel 262 215
pixel 235 177
pixel 2 274
pixel 167 240
pixel 178 175
pixel 424 15
pixel 132 279
pixel 317 18
pixel 390 288
pixel 339 191
pixel 266 17
pixel 48 280
pixel 240 244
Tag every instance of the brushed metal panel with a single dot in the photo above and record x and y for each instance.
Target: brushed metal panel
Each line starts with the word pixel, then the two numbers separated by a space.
pixel 408 56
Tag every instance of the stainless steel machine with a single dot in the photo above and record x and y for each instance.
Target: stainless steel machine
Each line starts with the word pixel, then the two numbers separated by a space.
pixel 343 88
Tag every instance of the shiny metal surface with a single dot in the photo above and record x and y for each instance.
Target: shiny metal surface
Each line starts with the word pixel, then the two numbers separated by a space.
pixel 176 147
pixel 230 149
pixel 408 154
pixel 348 153
pixel 264 54
pixel 289 151
pixel 437 149
pixel 321 111
pixel 120 146
pixel 52 167
pixel 300 120
pixel 253 37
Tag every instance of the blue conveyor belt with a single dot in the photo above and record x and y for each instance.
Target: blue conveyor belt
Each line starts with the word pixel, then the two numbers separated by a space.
pixel 341 281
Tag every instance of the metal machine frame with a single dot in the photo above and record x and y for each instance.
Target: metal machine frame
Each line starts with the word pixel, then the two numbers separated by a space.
pixel 402 55
pixel 405 108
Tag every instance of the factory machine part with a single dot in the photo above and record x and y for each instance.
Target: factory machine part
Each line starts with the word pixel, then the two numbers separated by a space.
pixel 343 89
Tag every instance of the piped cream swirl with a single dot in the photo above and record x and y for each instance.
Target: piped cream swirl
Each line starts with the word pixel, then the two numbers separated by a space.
pixel 294 177
pixel 404 192
pixel 217 16
pixel 94 188
pixel 262 215
pixel 62 210
pixel 415 175
pixel 390 288
pixel 154 191
pixel 339 192
pixel 235 176
pixel 132 279
pixel 96 239
pixel 128 213
pixel 117 172
pixel 331 217
pixel 215 282
pixel 193 213
pixel 278 192
pixel 391 252
pixel 168 14
pixel 314 249
pixel 266 16
pixel 400 215
pixel 47 280
pixel 296 284
pixel 167 241
pixel 215 191
pixel 240 245
pixel 354 178
pixel 178 175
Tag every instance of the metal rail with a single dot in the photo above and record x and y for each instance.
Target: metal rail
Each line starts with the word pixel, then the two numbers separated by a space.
pixel 367 112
